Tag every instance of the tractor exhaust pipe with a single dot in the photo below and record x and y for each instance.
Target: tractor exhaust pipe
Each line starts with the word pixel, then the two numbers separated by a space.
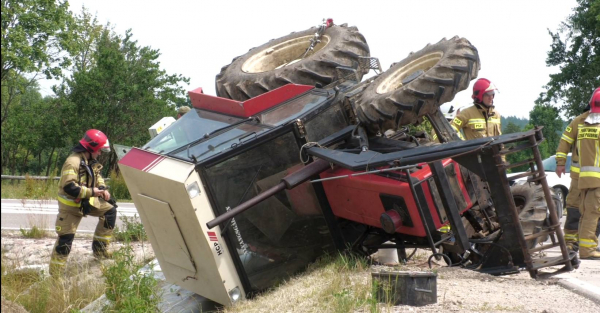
pixel 288 182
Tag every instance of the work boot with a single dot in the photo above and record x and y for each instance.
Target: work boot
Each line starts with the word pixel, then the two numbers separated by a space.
pixel 100 250
pixel 102 254
pixel 594 255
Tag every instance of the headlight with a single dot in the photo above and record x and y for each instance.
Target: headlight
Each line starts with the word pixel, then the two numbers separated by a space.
pixel 193 190
pixel 235 294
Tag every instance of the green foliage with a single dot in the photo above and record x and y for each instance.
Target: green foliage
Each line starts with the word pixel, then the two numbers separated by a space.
pixel 35 36
pixel 34 232
pixel 517 121
pixel 511 128
pixel 575 49
pixel 122 94
pixel 116 86
pixel 118 188
pixel 127 288
pixel 548 117
pixel 29 189
pixel 133 230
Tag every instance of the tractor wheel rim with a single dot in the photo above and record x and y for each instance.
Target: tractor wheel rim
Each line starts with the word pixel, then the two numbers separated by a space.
pixel 409 72
pixel 282 54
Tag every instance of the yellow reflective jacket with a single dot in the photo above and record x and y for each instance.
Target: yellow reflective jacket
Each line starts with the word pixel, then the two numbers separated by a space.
pixel 588 145
pixel 477 122
pixel 567 144
pixel 75 170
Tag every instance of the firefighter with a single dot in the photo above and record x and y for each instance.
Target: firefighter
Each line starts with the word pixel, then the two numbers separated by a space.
pixel 182 110
pixel 480 120
pixel 588 144
pixel 573 201
pixel 82 192
pixel 450 111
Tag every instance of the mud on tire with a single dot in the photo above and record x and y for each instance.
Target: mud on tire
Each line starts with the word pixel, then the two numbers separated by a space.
pixel 418 85
pixel 533 210
pixel 276 63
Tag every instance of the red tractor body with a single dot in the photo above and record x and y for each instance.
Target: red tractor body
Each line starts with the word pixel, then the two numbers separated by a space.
pixel 365 198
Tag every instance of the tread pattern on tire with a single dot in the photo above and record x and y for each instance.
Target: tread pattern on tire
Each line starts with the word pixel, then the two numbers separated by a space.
pixel 345 46
pixel 409 103
pixel 534 213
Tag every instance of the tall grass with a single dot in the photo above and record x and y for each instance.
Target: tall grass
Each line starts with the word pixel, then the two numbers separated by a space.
pixel 37 292
pixel 29 189
pixel 35 189
pixel 332 284
pixel 132 230
pixel 127 288
pixel 118 188
pixel 38 225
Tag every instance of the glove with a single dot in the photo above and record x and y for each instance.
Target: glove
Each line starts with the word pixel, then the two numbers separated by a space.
pixel 86 207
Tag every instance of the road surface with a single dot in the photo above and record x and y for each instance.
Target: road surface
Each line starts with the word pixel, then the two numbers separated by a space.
pixel 17 214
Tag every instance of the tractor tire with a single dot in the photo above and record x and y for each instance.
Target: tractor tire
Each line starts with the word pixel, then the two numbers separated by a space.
pixel 418 85
pixel 533 210
pixel 277 62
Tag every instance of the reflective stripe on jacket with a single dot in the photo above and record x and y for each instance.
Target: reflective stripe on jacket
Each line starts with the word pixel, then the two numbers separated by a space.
pixel 588 145
pixel 567 144
pixel 477 122
pixel 73 172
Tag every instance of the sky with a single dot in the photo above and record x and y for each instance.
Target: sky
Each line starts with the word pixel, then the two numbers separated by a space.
pixel 197 38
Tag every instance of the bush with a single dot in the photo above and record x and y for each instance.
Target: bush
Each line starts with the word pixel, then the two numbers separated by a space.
pixel 34 232
pixel 118 188
pixel 133 230
pixel 127 288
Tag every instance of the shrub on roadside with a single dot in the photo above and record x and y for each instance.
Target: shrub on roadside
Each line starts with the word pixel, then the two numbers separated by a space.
pixel 127 288
pixel 34 232
pixel 118 188
pixel 132 230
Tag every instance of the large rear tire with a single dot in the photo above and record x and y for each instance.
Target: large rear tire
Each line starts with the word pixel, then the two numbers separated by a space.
pixel 533 210
pixel 418 85
pixel 278 62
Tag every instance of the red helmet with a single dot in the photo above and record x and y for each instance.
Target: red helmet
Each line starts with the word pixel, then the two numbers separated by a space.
pixel 95 140
pixel 482 86
pixel 595 101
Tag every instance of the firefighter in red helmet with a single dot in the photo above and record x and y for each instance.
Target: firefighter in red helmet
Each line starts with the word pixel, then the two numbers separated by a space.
pixel 480 120
pixel 82 192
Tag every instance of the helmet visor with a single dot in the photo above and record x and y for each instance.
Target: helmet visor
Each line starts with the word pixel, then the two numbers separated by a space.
pixel 106 147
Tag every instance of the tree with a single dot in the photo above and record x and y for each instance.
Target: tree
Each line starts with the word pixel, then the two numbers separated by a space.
pixel 548 117
pixel 513 158
pixel 575 49
pixel 35 36
pixel 122 92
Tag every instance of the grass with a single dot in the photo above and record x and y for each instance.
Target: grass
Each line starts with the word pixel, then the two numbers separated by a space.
pixel 37 292
pixel 29 189
pixel 127 288
pixel 34 232
pixel 332 284
pixel 38 226
pixel 132 230
pixel 35 189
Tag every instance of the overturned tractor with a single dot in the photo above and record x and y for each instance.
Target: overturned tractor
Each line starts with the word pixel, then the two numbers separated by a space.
pixel 290 162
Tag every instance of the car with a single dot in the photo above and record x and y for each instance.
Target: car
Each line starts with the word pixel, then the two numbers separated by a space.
pixel 559 184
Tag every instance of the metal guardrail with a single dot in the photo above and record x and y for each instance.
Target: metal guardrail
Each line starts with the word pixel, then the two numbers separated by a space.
pixel 30 177
pixel 35 177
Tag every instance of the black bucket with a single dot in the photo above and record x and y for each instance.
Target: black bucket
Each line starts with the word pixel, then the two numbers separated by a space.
pixel 409 288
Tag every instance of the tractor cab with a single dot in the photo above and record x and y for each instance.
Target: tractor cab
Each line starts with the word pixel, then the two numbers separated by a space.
pixel 223 153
